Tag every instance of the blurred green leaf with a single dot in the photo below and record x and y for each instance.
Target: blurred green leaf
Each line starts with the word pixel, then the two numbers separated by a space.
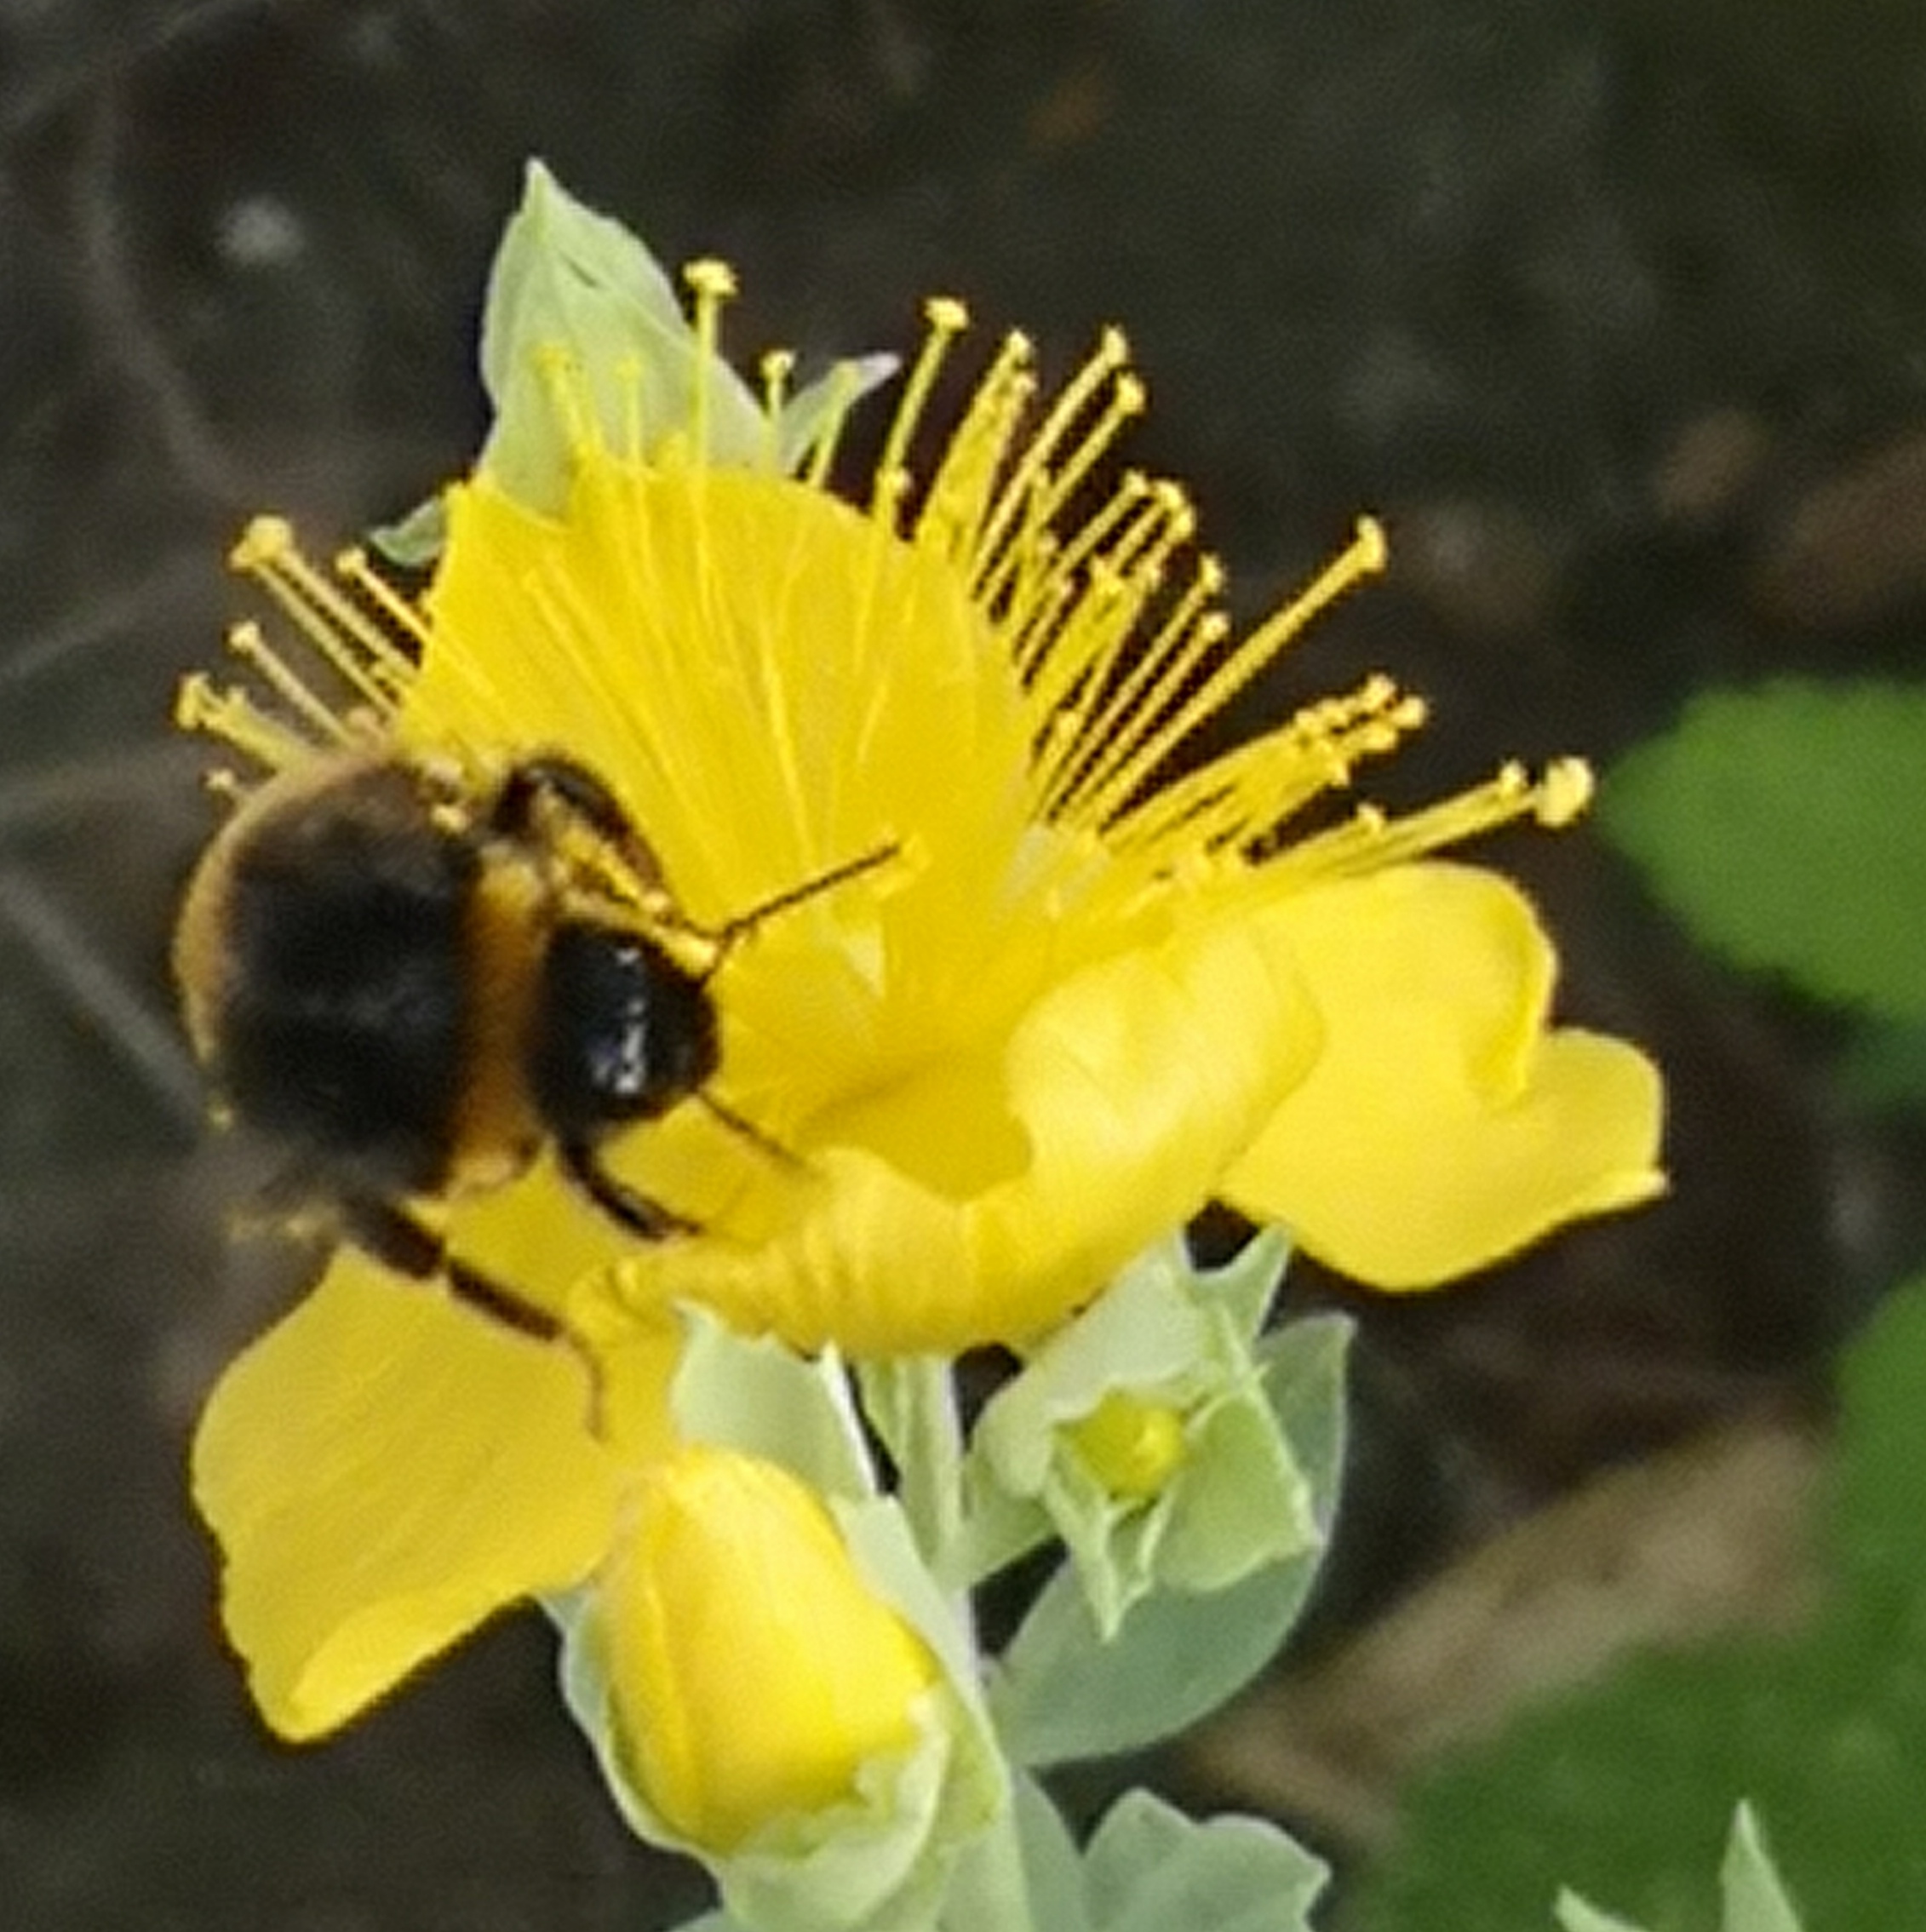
pixel 1574 1915
pixel 1879 1514
pixel 1753 1898
pixel 1617 1789
pixel 1782 825
pixel 1884 1065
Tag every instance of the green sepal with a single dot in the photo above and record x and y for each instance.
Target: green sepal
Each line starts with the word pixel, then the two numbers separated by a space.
pixel 1177 1340
pixel 1150 1868
pixel 1059 1692
pixel 568 283
pixel 759 1397
pixel 1780 824
pixel 881 1861
pixel 416 540
pixel 911 1403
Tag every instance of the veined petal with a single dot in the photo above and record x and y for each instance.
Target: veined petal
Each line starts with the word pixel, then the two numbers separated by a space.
pixel 734 650
pixel 980 1202
pixel 1441 1127
pixel 385 1469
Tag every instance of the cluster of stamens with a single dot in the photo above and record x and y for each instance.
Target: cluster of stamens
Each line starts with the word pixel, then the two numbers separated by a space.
pixel 1110 622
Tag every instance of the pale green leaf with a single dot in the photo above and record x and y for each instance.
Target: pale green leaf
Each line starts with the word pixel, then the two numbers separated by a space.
pixel 816 407
pixel 1052 1866
pixel 1150 1869
pixel 1782 825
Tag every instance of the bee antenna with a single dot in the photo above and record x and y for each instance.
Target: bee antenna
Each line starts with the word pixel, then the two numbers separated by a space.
pixel 728 933
pixel 783 1156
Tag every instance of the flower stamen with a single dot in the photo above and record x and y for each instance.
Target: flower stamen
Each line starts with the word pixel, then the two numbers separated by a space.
pixel 951 520
pixel 343 636
pixel 1372 839
pixel 776 368
pixel 1136 751
pixel 947 318
pixel 712 282
pixel 1036 488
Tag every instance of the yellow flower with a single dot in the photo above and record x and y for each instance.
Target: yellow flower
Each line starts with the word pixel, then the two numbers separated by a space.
pixel 752 1672
pixel 1086 996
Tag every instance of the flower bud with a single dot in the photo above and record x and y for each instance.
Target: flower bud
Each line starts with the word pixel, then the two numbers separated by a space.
pixel 752 1672
pixel 1133 1447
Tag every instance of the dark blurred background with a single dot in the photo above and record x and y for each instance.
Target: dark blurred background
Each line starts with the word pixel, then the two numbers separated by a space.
pixel 1616 311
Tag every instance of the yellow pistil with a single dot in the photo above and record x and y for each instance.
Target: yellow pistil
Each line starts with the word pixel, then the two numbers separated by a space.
pixel 1131 1445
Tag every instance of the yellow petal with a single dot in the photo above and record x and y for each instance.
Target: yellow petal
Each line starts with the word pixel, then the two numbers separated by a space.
pixel 770 682
pixel 384 1470
pixel 1442 1126
pixel 981 1200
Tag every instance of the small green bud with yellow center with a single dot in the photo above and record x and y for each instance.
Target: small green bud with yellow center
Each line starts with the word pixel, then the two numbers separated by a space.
pixel 1141 1433
pixel 752 1673
pixel 1131 1445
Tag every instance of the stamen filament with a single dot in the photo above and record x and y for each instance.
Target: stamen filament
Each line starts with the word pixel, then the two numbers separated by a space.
pixel 246 642
pixel 328 620
pixel 1111 354
pixel 1364 555
pixel 958 497
pixel 947 318
pixel 229 714
pixel 777 367
pixel 394 669
pixel 1049 491
pixel 1088 746
pixel 712 283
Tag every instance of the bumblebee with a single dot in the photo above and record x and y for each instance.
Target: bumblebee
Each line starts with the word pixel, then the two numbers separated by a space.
pixel 416 981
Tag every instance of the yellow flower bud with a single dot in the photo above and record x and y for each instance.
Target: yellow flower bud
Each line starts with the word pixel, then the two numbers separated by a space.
pixel 1131 1445
pixel 752 1672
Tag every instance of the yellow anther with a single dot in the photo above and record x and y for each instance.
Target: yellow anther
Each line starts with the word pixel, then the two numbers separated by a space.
pixel 1563 792
pixel 709 280
pixel 946 315
pixel 265 541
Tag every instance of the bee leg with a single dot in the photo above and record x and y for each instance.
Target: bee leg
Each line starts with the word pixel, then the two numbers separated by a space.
pixel 554 777
pixel 393 1236
pixel 626 1205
